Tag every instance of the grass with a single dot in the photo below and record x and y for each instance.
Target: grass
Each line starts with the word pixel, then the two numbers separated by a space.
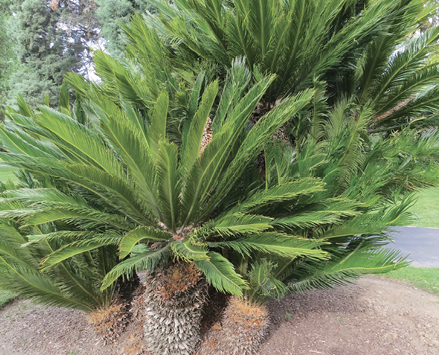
pixel 425 211
pixel 426 278
pixel 426 208
pixel 5 297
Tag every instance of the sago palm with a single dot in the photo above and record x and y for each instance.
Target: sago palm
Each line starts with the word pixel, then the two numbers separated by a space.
pixel 380 174
pixel 73 283
pixel 370 50
pixel 129 179
pixel 204 202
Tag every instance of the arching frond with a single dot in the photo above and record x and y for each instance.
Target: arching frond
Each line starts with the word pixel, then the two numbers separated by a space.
pixel 221 274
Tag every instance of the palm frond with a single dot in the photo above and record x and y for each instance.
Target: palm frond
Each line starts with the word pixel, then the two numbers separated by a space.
pixel 340 272
pixel 281 193
pixel 278 244
pixel 141 233
pixel 221 274
pixel 78 247
pixel 144 261
pixel 189 250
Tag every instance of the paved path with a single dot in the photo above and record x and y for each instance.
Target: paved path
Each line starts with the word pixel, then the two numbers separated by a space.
pixel 421 243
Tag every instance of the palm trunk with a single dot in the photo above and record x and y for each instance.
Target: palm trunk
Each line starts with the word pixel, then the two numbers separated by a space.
pixel 173 301
pixel 109 322
pixel 243 328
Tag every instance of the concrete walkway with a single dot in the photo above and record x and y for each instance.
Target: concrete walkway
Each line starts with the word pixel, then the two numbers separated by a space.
pixel 421 243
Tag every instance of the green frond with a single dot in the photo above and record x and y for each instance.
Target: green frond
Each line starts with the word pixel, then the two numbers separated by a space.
pixel 116 192
pixel 10 245
pixel 133 237
pixel 74 214
pixel 239 223
pixel 237 80
pixel 190 149
pixel 319 110
pixel 43 196
pixel 276 194
pixel 409 60
pixel 261 24
pixel 66 285
pixel 157 129
pixel 39 287
pixel 263 285
pixel 195 96
pixel 221 274
pixel 135 150
pixel 15 144
pixel 188 250
pixel 279 244
pixel 63 235
pixel 145 261
pixel 340 272
pixel 64 101
pixel 78 140
pixel 23 107
pixel 328 211
pixel 30 144
pixel 70 250
pixel 169 183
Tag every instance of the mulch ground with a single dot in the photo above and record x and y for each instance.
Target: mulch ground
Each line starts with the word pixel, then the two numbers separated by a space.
pixel 374 316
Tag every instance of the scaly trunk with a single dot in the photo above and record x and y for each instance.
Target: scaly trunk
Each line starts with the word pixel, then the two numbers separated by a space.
pixel 110 322
pixel 173 300
pixel 242 330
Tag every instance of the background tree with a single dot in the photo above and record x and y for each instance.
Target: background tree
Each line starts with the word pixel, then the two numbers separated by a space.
pixel 50 38
pixel 111 14
pixel 6 54
pixel 81 29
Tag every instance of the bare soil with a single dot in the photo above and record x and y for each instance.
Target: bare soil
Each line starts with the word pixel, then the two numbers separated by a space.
pixel 375 316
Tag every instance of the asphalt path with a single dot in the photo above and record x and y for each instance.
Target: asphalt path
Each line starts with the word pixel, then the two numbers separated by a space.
pixel 421 243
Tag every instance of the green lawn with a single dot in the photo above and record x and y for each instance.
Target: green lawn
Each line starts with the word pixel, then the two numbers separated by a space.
pixel 426 213
pixel 5 297
pixel 426 209
pixel 425 278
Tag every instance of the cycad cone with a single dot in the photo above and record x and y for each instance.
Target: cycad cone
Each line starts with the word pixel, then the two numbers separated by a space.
pixel 173 309
pixel 244 326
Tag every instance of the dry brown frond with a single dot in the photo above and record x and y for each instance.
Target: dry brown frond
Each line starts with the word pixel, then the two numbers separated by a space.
pixel 207 135
pixel 396 108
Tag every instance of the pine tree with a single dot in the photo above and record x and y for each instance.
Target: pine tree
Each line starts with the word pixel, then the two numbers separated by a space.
pixel 6 53
pixel 50 39
pixel 112 13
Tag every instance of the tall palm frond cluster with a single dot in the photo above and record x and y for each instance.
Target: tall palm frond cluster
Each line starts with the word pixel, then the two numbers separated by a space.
pixel 158 166
pixel 73 283
pixel 365 50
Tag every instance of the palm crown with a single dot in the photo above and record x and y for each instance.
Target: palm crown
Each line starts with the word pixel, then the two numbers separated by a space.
pixel 144 182
pixel 367 50
pixel 206 201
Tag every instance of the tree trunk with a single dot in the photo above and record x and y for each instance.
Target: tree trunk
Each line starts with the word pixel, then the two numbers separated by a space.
pixel 173 301
pixel 241 331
